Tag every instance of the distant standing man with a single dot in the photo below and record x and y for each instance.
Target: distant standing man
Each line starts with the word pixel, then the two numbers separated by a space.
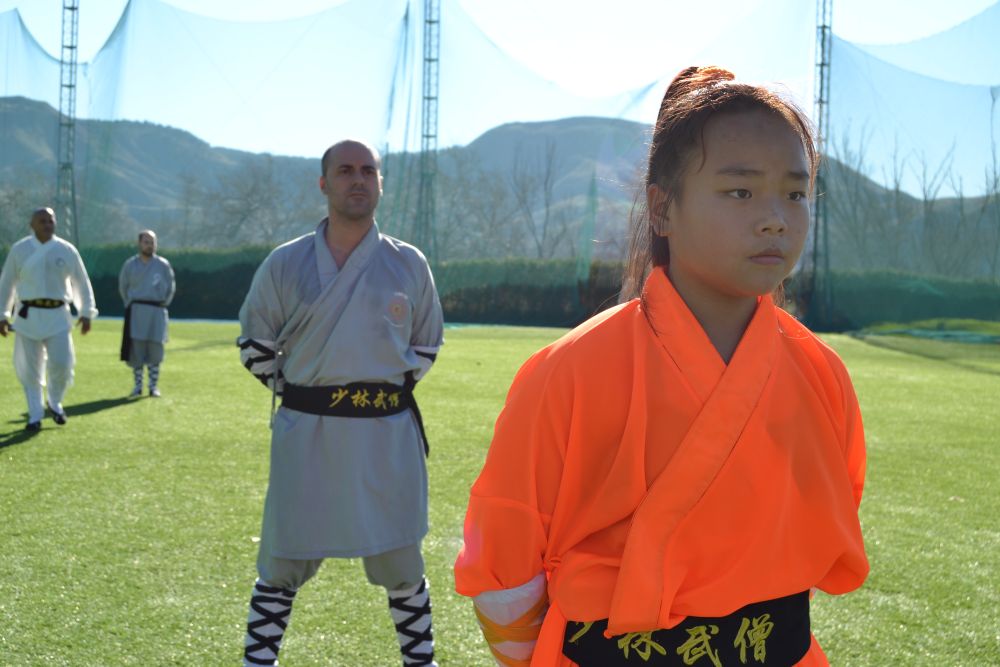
pixel 146 284
pixel 341 323
pixel 44 274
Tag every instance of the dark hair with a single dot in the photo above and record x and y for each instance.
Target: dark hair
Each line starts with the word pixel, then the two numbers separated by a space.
pixel 692 98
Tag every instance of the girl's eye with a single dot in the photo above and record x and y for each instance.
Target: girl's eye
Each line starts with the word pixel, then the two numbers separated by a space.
pixel 740 193
pixel 797 196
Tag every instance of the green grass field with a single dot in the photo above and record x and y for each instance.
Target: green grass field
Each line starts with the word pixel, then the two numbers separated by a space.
pixel 128 536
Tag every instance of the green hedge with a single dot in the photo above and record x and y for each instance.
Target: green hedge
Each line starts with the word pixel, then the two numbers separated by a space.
pixel 108 260
pixel 524 291
pixel 861 299
pixel 200 294
pixel 528 292
pixel 213 283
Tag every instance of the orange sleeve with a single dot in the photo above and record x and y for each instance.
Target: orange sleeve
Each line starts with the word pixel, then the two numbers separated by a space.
pixel 512 501
pixel 848 418
pixel 854 451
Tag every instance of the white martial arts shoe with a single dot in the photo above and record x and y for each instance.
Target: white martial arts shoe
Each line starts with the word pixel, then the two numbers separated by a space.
pixel 154 392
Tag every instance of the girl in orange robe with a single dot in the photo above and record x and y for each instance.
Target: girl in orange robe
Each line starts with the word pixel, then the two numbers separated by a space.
pixel 668 481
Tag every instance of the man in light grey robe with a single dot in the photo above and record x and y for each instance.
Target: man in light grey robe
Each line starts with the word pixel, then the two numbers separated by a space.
pixel 146 284
pixel 341 323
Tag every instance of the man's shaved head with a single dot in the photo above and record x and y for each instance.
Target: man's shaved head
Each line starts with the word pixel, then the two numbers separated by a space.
pixel 325 162
pixel 43 223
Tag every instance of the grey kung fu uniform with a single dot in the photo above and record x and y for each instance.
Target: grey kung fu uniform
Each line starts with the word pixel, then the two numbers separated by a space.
pixel 342 486
pixel 147 281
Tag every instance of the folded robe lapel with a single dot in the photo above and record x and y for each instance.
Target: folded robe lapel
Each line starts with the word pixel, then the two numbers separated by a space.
pixel 637 603
pixel 36 261
pixel 337 292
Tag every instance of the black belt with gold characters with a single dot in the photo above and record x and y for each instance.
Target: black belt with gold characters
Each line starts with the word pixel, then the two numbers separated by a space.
pixel 774 633
pixel 365 400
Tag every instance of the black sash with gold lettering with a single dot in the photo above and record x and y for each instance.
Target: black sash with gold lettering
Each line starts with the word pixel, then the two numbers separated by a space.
pixel 364 400
pixel 126 348
pixel 38 303
pixel 774 633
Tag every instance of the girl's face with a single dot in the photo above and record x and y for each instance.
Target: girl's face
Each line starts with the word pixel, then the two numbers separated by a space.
pixel 739 223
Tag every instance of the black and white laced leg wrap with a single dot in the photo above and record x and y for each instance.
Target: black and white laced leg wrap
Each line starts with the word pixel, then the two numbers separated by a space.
pixel 270 608
pixel 411 613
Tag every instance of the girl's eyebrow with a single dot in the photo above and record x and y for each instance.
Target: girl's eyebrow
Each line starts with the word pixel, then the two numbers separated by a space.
pixel 736 170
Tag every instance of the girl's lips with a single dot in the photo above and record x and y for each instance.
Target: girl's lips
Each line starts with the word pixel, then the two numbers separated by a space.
pixel 769 258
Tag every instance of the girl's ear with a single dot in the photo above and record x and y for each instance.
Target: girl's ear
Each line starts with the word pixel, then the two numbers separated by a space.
pixel 656 204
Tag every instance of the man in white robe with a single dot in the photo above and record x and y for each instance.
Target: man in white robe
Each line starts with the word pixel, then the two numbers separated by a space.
pixel 41 277
pixel 341 323
pixel 146 284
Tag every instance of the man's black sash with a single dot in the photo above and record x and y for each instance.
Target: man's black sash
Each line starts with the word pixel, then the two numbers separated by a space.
pixel 774 633
pixel 126 350
pixel 364 400
pixel 38 303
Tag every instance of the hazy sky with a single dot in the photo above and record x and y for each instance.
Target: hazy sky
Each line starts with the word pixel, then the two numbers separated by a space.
pixel 535 29
pixel 587 47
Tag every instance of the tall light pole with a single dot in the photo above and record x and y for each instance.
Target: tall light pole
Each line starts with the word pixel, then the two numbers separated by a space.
pixel 65 177
pixel 821 287
pixel 424 228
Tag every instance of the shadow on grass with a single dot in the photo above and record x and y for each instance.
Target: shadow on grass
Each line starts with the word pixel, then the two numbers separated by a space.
pixel 19 435
pixel 96 406
pixel 944 352
pixel 16 437
pixel 203 345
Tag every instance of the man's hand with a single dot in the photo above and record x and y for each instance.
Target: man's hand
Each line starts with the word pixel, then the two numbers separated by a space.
pixel 3 328
pixel 84 325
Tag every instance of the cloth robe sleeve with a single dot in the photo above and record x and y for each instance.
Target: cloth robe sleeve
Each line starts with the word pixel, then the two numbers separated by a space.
pixel 172 287
pixel 123 282
pixel 83 293
pixel 261 321
pixel 526 603
pixel 428 325
pixel 854 448
pixel 855 453
pixel 512 502
pixel 8 278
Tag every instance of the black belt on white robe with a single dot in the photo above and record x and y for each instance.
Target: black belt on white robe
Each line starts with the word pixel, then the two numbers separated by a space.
pixel 48 304
pixel 774 633
pixel 363 400
pixel 127 325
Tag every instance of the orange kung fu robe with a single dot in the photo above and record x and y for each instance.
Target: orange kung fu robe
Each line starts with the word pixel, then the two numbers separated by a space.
pixel 650 481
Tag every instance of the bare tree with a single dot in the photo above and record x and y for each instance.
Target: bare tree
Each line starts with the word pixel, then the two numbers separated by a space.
pixel 963 244
pixel 989 209
pixel 850 204
pixel 16 205
pixel 935 229
pixel 253 205
pixel 192 209
pixel 899 213
pixel 532 184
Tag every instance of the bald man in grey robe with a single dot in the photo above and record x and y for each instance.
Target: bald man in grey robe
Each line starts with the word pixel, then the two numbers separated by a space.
pixel 342 323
